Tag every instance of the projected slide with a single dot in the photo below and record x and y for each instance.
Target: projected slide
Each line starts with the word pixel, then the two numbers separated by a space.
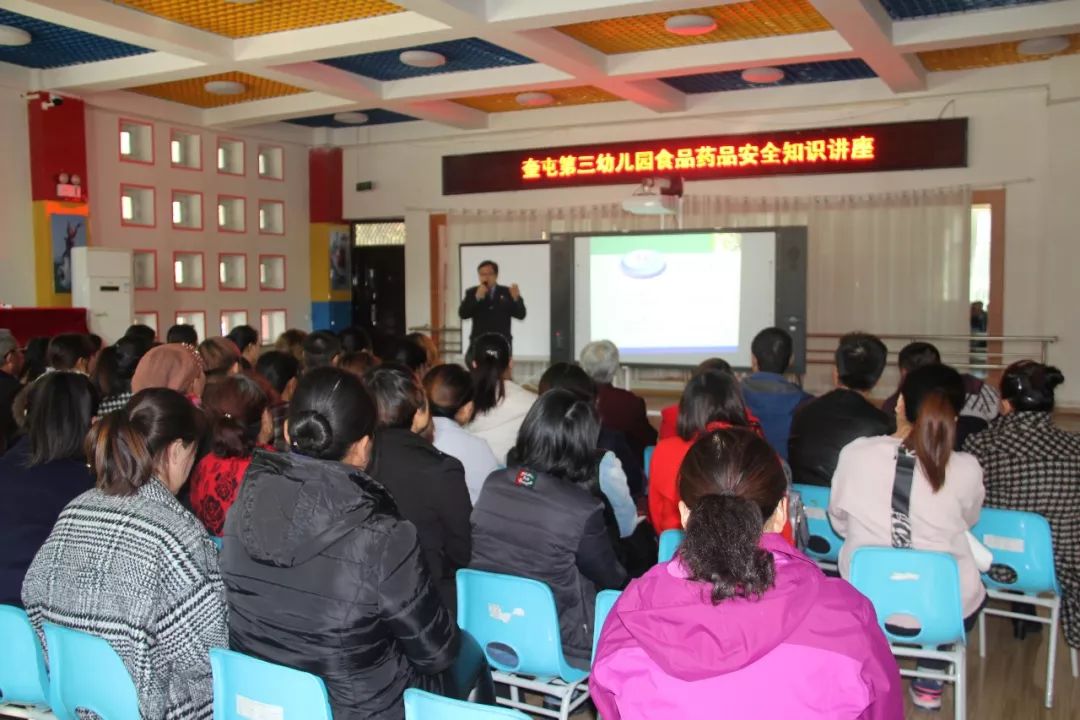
pixel 677 297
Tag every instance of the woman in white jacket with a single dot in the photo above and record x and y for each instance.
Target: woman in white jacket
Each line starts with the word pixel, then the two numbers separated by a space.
pixel 501 404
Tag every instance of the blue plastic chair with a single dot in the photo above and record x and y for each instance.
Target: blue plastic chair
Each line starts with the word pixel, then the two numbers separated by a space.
pixel 924 585
pixel 422 705
pixel 825 544
pixel 515 621
pixel 645 468
pixel 85 672
pixel 605 600
pixel 24 680
pixel 1023 542
pixel 218 543
pixel 670 540
pixel 246 687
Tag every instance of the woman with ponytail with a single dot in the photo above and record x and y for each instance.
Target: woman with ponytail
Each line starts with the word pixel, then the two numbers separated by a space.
pixel 739 623
pixel 127 563
pixel 237 411
pixel 500 403
pixel 911 489
pixel 324 575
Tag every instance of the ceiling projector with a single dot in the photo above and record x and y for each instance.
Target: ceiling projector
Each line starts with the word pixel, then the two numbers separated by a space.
pixel 655 196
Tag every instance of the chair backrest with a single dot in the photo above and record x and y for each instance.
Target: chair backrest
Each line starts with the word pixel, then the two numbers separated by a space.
pixel 605 600
pixel 917 583
pixel 23 678
pixel 648 459
pixel 85 672
pixel 824 542
pixel 422 705
pixel 1022 542
pixel 515 621
pixel 246 687
pixel 670 540
pixel 218 543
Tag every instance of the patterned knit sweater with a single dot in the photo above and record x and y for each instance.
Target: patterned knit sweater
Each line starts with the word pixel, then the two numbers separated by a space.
pixel 140 572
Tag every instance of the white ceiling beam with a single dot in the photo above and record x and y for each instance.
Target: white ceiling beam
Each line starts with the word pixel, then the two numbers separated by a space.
pixel 275 109
pixel 122 73
pixel 19 78
pixel 478 82
pixel 530 14
pixel 989 26
pixel 867 28
pixel 455 13
pixel 115 22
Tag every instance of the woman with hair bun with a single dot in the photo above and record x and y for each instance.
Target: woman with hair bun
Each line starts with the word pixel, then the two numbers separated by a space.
pixel 324 575
pixel 1032 464
pixel 739 613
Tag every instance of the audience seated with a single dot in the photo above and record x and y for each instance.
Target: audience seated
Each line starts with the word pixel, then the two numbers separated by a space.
pixel 1031 464
pixel 355 339
pixel 911 489
pixel 147 334
pixel 183 334
pixel 292 342
pixel 280 370
pixel 220 358
pixel 408 353
pixel 320 349
pixel 69 351
pixel 449 391
pixel 34 364
pixel 128 563
pixel 11 367
pixel 115 367
pixel 770 396
pixel 428 345
pixel 669 415
pixel 620 410
pixel 981 400
pixel 710 401
pixel 238 416
pixel 822 427
pixel 427 484
pixel 177 367
pixel 324 575
pixel 739 620
pixel 501 404
pixel 42 473
pixel 246 340
pixel 96 346
pixel 536 519
pixel 358 363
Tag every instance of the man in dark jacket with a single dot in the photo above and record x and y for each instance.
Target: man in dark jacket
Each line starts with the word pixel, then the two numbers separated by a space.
pixel 620 410
pixel 11 364
pixel 822 428
pixel 491 306
pixel 770 396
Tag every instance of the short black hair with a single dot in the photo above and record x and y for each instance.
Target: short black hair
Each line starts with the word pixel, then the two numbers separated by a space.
pixel 96 342
pixel 568 377
pixel 408 353
pixel 772 350
pixel 397 394
pixel 143 332
pixel 320 349
pixel 354 339
pixel 709 397
pixel 918 354
pixel 66 349
pixel 243 336
pixel 559 437
pixel 860 360
pixel 278 368
pixel 183 334
pixel 59 416
pixel 494 266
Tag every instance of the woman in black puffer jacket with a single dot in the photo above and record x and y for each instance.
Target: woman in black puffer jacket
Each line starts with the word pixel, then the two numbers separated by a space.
pixel 323 574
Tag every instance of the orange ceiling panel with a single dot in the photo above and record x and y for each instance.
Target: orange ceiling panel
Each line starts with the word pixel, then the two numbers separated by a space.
pixel 506 102
pixel 738 21
pixel 259 18
pixel 981 56
pixel 191 92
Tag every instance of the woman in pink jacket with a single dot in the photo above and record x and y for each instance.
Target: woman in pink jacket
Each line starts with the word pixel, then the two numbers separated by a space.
pixel 740 624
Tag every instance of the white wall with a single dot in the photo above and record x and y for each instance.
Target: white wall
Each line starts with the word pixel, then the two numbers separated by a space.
pixel 16 219
pixel 107 173
pixel 1019 139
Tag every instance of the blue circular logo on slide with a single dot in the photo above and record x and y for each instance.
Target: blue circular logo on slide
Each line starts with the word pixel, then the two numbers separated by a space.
pixel 643 264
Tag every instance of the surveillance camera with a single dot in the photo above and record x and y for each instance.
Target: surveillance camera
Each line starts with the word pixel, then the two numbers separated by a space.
pixel 55 100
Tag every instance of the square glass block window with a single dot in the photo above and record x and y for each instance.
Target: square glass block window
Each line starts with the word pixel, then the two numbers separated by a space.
pixel 271 217
pixel 149 319
pixel 271 162
pixel 188 271
pixel 272 323
pixel 187 210
pixel 136 142
pixel 137 205
pixel 231 319
pixel 272 272
pixel 185 150
pixel 194 318
pixel 230 156
pixel 232 272
pixel 144 269
pixel 230 211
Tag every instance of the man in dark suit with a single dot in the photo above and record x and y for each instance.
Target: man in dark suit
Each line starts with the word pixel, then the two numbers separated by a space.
pixel 491 306
pixel 620 410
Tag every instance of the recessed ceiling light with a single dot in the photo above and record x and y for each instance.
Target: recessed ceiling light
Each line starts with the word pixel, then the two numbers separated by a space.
pixel 690 24
pixel 422 58
pixel 224 87
pixel 351 118
pixel 1042 46
pixel 13 36
pixel 762 75
pixel 534 99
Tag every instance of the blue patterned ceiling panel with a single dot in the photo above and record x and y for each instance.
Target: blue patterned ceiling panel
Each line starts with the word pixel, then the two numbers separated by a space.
pixel 796 74
pixel 376 116
pixel 909 9
pixel 469 54
pixel 53 46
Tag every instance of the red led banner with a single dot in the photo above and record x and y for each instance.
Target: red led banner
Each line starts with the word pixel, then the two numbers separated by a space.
pixel 865 148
